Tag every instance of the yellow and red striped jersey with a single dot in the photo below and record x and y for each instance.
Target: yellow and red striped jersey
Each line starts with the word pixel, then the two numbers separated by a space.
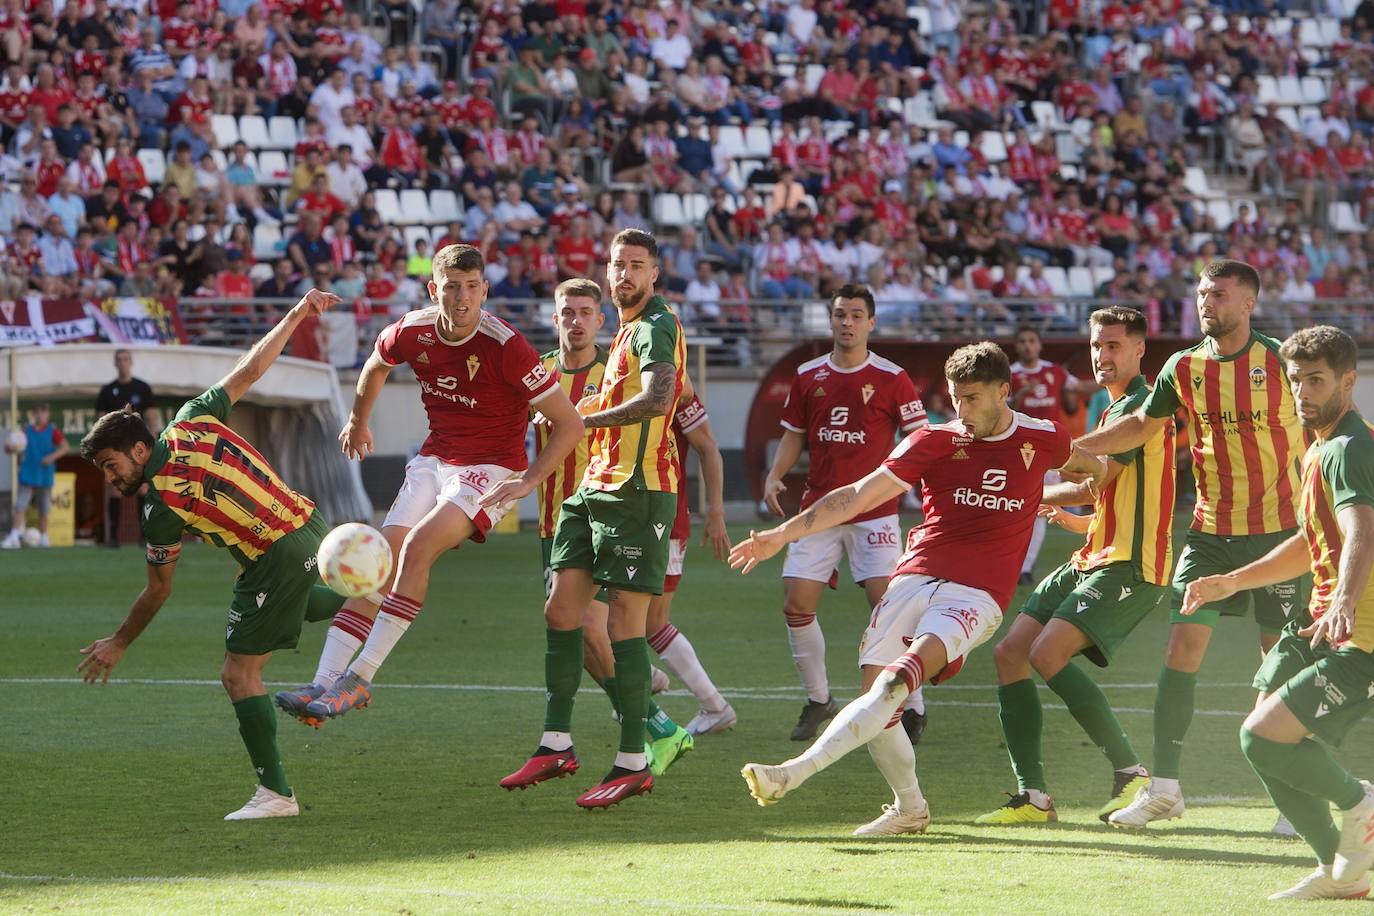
pixel 206 478
pixel 565 479
pixel 643 453
pixel 1338 472
pixel 1244 434
pixel 1133 515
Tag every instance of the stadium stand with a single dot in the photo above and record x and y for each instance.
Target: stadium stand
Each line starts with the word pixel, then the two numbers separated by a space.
pixel 977 165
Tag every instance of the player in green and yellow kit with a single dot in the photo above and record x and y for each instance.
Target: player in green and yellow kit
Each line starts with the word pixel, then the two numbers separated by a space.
pixel 1318 680
pixel 205 479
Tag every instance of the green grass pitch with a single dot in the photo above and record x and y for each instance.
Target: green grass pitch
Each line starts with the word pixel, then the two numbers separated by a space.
pixel 114 795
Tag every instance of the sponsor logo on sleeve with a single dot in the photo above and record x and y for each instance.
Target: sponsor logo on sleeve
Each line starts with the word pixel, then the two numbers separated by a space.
pixel 532 379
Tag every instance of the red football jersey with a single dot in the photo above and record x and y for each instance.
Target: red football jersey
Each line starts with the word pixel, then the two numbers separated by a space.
pixel 1046 383
pixel 850 418
pixel 477 392
pixel 688 417
pixel 979 497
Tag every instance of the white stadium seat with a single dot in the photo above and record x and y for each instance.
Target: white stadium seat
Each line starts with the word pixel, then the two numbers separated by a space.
pixel 415 207
pixel 758 141
pixel 994 146
pixel 281 133
pixel 388 207
pixel 732 139
pixel 668 210
pixel 1058 280
pixel 226 130
pixel 1314 90
pixel 1220 211
pixel 154 165
pixel 1081 281
pixel 417 233
pixel 1343 218
pixel 266 241
pixel 694 207
pixel 272 167
pixel 443 207
pixel 253 131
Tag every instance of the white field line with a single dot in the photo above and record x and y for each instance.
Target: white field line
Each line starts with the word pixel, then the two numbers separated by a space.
pixel 378 889
pixel 786 694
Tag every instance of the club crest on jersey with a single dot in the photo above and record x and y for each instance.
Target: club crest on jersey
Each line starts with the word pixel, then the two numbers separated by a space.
pixel 423 358
pixel 867 392
pixel 589 389
pixel 473 365
pixel 1027 454
pixel 1258 376
pixel 426 338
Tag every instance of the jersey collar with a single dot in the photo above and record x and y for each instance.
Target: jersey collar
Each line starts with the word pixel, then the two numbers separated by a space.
pixel 481 316
pixel 1211 345
pixel 1006 434
pixel 830 362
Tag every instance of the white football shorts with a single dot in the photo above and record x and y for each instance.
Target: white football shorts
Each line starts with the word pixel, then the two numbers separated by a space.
pixel 961 617
pixel 430 480
pixel 873 548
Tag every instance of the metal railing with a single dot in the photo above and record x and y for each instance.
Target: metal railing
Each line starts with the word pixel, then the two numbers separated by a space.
pixel 748 335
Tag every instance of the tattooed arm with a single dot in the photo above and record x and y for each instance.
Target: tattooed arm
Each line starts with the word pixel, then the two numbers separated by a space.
pixel 834 508
pixel 658 383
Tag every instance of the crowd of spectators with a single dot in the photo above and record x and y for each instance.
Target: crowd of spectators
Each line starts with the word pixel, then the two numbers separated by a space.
pixel 949 159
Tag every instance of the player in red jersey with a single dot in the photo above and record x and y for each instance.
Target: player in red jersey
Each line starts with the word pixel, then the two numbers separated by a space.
pixel 1037 390
pixel 478 378
pixel 981 480
pixel 846 409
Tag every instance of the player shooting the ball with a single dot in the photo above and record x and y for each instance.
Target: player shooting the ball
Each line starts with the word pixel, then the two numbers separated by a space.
pixel 205 479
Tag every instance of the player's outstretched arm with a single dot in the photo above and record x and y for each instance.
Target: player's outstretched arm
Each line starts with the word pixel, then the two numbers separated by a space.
pixel 1081 494
pixel 1078 524
pixel 258 360
pixel 566 431
pixel 355 438
pixel 704 444
pixel 1357 560
pixel 789 450
pixel 103 654
pixel 658 384
pixel 834 508
pixel 1286 561
pixel 1131 431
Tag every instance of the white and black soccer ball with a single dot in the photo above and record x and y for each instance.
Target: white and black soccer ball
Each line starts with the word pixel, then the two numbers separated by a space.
pixel 16 441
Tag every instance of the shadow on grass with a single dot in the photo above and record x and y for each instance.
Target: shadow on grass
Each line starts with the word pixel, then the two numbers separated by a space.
pixel 833 903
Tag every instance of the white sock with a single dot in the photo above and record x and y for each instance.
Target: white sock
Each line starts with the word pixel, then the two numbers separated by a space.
pixel 1135 770
pixel 631 761
pixel 1040 799
pixel 1161 786
pixel 856 725
pixel 892 753
pixel 677 655
pixel 395 617
pixel 556 741
pixel 346 634
pixel 917 701
pixel 808 651
pixel 1037 541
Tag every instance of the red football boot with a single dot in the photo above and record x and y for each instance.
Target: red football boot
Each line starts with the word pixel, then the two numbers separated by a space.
pixel 543 765
pixel 618 785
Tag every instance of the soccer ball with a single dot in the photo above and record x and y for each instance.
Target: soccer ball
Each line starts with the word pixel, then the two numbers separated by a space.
pixel 354 560
pixel 32 537
pixel 16 441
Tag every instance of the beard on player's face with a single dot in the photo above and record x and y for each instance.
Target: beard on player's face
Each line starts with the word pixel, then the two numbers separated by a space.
pixel 629 296
pixel 1313 415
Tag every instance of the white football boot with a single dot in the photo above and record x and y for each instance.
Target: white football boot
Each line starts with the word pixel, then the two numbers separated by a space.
pixel 1147 808
pixel 706 722
pixel 1321 886
pixel 266 803
pixel 893 822
pixel 1356 853
pixel 767 784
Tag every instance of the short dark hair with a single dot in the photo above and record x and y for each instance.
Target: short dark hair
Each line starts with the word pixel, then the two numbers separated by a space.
pixel 1224 268
pixel 638 238
pixel 1028 327
pixel 979 362
pixel 856 291
pixel 1322 342
pixel 458 257
pixel 120 430
pixel 1114 315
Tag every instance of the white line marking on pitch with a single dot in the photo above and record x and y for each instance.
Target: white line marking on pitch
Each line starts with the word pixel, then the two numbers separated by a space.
pixel 766 693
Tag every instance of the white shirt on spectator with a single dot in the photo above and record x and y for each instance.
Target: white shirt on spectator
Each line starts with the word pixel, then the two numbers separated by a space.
pixel 801 22
pixel 638 86
pixel 703 300
pixel 561 83
pixel 329 102
pixel 672 53
pixel 866 254
pixel 1299 290
pixel 507 212
pixel 372 51
pixel 843 261
pixel 356 138
pixel 348 184
pixel 944 15
pixel 476 219
pixel 1315 129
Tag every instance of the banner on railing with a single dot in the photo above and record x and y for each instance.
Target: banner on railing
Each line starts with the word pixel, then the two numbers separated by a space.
pixel 140 321
pixel 44 322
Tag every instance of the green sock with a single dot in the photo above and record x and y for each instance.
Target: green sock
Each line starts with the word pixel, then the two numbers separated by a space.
pixel 659 724
pixel 1022 721
pixel 608 685
pixel 1089 707
pixel 1173 715
pixel 562 677
pixel 258 727
pixel 1284 767
pixel 632 684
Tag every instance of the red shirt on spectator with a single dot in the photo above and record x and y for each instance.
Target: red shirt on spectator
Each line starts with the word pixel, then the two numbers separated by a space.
pixel 14 105
pixel 331 42
pixel 527 145
pixel 128 171
pixel 1070 94
pixel 579 254
pixel 229 285
pixel 188 102
pixel 48 173
pixel 179 36
pixel 160 214
pixel 1074 226
pixel 343 250
pixel 326 204
pixel 815 153
pixel 401 151
pixel 563 214
pixel 415 104
pixel 1063 12
pixel 452 109
pixel 130 254
pixel 475 108
pixel 749 221
pixel 92 62
pixel 1022 162
pixel 51 100
pixel 1329 289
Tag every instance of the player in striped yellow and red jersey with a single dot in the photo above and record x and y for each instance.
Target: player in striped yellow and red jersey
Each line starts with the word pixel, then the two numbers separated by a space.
pixel 1318 681
pixel 577 383
pixel 613 531
pixel 1091 603
pixel 206 479
pixel 1246 441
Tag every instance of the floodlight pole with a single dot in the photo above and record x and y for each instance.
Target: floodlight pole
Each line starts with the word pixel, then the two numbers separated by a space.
pixel 14 418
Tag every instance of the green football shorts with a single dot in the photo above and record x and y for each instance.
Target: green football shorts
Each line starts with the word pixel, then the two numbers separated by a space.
pixel 1328 689
pixel 282 590
pixel 546 551
pixel 1275 606
pixel 1106 604
pixel 621 536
